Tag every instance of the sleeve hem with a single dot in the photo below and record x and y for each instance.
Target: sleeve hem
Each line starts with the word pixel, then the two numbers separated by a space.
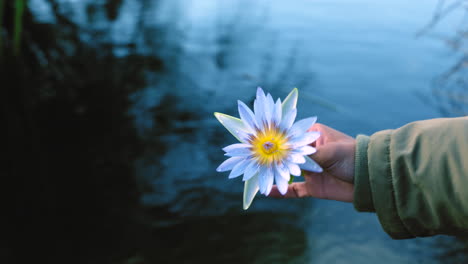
pixel 362 190
pixel 382 186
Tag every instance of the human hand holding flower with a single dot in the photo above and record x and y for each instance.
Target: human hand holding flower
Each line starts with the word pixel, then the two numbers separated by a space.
pixel 335 154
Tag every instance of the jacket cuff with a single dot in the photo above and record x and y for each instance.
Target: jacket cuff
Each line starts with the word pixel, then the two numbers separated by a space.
pixel 382 185
pixel 362 189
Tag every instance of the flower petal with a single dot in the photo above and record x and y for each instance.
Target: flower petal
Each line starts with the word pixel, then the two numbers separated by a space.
pixel 250 189
pixel 311 165
pixel 301 126
pixel 305 150
pixel 229 164
pixel 269 179
pixel 236 146
pixel 233 125
pixel 259 107
pixel 262 174
pixel 294 169
pixel 283 171
pixel 247 116
pixel 281 183
pixel 239 168
pixel 268 108
pixel 238 150
pixel 251 170
pixel 290 102
pixel 296 158
pixel 304 139
pixel 277 113
pixel 288 120
pixel 265 180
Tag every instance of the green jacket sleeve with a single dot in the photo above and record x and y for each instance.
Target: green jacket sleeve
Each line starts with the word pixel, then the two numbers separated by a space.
pixel 415 178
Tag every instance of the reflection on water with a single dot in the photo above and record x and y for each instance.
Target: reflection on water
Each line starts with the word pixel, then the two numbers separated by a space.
pixel 229 238
pixel 451 88
pixel 170 64
pixel 67 161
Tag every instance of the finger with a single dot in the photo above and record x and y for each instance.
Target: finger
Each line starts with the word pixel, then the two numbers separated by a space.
pixel 319 128
pixel 337 158
pixel 327 155
pixel 295 190
pixel 328 134
pixel 335 190
pixel 324 186
pixel 304 189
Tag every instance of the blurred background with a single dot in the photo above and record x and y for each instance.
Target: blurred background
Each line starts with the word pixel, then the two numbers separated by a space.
pixel 109 145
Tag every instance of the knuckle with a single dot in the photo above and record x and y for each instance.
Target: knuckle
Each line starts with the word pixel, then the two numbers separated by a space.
pixel 298 192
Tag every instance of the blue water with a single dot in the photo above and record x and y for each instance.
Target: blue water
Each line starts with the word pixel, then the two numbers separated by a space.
pixel 359 67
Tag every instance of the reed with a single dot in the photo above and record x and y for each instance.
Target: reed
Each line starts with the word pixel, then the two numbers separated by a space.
pixel 18 25
pixel 1 28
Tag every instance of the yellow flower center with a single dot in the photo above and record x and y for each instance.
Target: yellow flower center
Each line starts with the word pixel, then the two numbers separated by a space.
pixel 269 146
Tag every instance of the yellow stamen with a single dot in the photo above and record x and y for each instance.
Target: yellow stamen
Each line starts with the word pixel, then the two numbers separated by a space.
pixel 269 146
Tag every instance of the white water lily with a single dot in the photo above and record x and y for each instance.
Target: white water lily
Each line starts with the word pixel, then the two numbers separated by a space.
pixel 272 147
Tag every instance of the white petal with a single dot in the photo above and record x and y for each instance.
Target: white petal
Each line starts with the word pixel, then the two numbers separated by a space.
pixel 229 164
pixel 259 107
pixel 251 170
pixel 247 116
pixel 241 151
pixel 269 107
pixel 281 183
pixel 250 189
pixel 294 169
pixel 239 168
pixel 283 171
pixel 258 113
pixel 269 183
pixel 290 102
pixel 233 125
pixel 288 120
pixel 311 165
pixel 304 139
pixel 296 158
pixel 236 146
pixel 301 126
pixel 265 180
pixel 260 92
pixel 306 150
pixel 277 113
pixel 262 174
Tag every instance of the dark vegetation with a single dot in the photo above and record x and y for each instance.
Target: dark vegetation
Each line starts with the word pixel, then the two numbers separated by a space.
pixel 68 149
pixel 67 142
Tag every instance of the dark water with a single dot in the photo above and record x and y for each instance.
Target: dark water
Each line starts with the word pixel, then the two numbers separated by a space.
pixel 359 67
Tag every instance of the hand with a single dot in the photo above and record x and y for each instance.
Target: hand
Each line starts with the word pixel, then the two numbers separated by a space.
pixel 335 154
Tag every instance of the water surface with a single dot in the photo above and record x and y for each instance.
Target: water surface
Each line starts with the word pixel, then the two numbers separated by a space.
pixel 359 67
